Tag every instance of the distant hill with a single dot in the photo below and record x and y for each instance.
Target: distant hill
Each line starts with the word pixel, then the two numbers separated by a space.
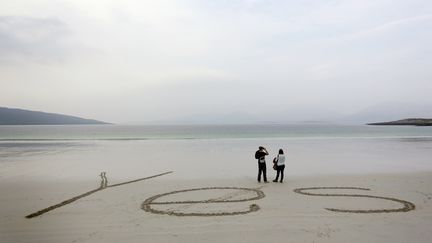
pixel 409 121
pixel 9 116
pixel 389 112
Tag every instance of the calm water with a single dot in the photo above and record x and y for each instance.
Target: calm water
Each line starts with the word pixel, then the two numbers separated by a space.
pixel 81 152
pixel 118 132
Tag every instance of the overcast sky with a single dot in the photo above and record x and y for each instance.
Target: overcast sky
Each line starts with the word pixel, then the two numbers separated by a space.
pixel 150 60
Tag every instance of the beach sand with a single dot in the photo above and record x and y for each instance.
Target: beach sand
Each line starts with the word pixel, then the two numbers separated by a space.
pixel 115 214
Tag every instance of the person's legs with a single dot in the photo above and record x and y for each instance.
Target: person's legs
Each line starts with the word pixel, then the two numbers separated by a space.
pixel 277 174
pixel 282 172
pixel 265 172
pixel 259 172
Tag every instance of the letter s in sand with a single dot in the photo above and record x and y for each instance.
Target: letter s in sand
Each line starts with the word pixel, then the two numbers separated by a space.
pixel 407 206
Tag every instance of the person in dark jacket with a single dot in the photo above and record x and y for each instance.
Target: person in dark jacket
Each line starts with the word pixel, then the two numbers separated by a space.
pixel 260 156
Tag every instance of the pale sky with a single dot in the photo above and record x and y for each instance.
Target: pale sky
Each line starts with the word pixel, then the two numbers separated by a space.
pixel 167 60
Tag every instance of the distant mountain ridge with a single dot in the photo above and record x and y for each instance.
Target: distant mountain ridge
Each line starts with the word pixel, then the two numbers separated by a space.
pixel 389 111
pixel 408 121
pixel 12 116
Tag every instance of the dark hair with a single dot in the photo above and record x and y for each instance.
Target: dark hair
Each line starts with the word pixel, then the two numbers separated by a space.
pixel 281 151
pixel 260 147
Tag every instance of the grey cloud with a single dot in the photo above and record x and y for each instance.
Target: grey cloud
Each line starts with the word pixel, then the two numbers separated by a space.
pixel 41 39
pixel 184 60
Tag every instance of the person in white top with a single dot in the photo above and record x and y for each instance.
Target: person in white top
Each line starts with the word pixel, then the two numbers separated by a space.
pixel 280 166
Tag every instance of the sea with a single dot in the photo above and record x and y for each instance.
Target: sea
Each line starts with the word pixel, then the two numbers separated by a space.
pixel 79 152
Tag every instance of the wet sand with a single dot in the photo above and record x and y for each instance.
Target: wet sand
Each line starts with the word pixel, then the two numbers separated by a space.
pixel 169 209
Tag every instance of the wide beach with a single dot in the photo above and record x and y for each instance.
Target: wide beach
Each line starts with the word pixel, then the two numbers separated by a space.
pixel 38 173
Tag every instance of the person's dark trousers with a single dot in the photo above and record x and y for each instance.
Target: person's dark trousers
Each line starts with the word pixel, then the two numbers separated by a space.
pixel 262 169
pixel 280 169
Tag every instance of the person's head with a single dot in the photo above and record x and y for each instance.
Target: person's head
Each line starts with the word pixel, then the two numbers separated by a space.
pixel 281 151
pixel 260 147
